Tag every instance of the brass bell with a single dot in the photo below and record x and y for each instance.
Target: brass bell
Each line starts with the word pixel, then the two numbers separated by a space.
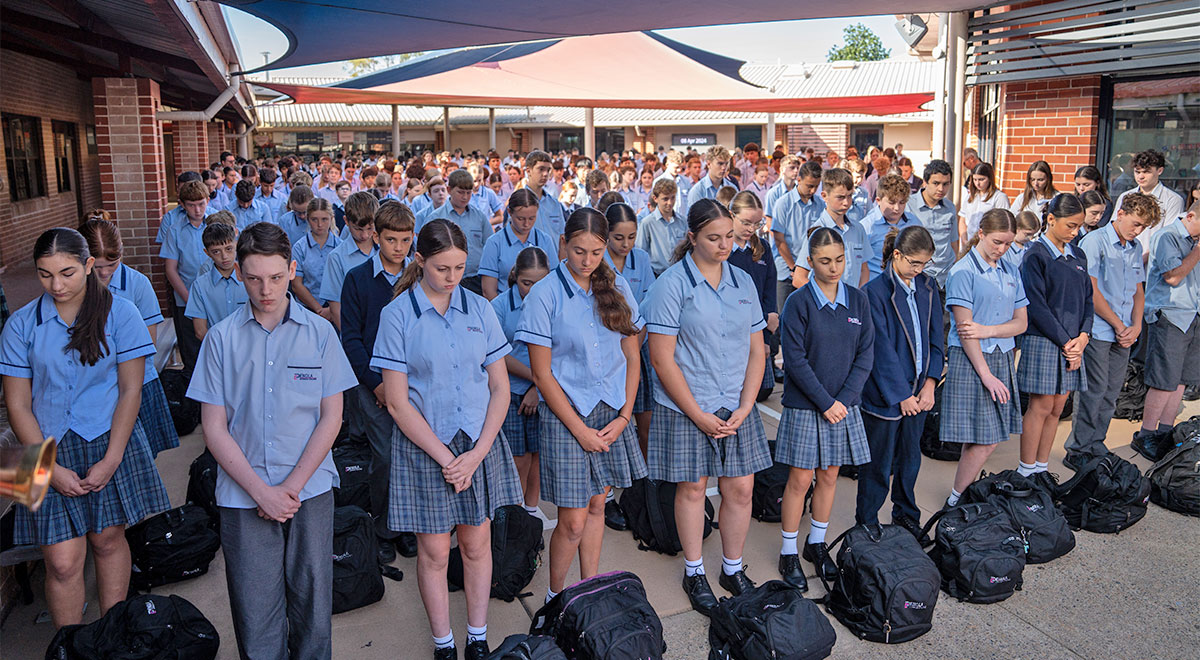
pixel 25 472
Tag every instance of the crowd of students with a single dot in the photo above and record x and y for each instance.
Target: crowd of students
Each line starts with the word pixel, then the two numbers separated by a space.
pixel 540 327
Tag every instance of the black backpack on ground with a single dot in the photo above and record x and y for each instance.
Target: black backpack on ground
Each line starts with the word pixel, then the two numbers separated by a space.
pixel 527 647
pixel 1175 480
pixel 649 508
pixel 517 546
pixel 766 501
pixel 978 551
pixel 357 579
pixel 1106 496
pixel 886 587
pixel 1132 396
pixel 185 413
pixel 773 621
pixel 146 627
pixel 352 462
pixel 170 547
pixel 603 617
pixel 931 440
pixel 1046 532
pixel 202 487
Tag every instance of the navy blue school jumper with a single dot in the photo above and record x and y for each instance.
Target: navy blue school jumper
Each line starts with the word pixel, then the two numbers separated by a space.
pixel 762 271
pixel 1060 308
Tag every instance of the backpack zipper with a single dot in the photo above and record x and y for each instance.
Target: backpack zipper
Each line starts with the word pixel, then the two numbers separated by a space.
pixel 887 631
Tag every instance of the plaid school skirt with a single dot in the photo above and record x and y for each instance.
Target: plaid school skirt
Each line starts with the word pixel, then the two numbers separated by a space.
pixel 421 501
pixel 156 420
pixel 521 431
pixel 134 492
pixel 680 451
pixel 807 440
pixel 969 415
pixel 571 476
pixel 644 401
pixel 1042 368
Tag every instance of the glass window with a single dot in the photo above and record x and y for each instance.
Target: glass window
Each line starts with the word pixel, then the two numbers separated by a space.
pixel 563 140
pixel 744 135
pixel 24 157
pixel 1159 114
pixel 64 154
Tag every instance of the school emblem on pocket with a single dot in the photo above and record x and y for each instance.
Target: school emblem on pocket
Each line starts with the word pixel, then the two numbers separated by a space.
pixel 474 328
pixel 301 376
pixel 854 320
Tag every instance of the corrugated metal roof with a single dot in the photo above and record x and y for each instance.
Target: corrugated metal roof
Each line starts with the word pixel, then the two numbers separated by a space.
pixel 789 80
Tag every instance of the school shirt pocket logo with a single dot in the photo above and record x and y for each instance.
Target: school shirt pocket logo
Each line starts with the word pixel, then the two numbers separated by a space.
pixel 853 320
pixel 475 328
pixel 305 373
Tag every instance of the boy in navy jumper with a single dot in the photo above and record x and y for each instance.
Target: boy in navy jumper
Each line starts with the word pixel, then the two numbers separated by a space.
pixel 366 291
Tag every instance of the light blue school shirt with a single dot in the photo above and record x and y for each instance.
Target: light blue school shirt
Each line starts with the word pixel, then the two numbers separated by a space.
pixel 778 190
pixel 136 288
pixel 294 227
pixel 185 245
pixel 858 247
pixel 500 252
pixel 861 204
pixel 1014 255
pixel 344 257
pixel 992 293
pixel 877 228
pixel 792 217
pixel 170 220
pixel 445 357
pixel 551 217
pixel 659 237
pixel 1118 270
pixel 213 297
pixel 1178 304
pixel 823 301
pixel 275 203
pixel 706 189
pixel 508 307
pixel 910 297
pixel 638 274
pixel 476 225
pixel 487 200
pixel 420 203
pixel 69 395
pixel 712 328
pixel 942 223
pixel 585 356
pixel 310 257
pixel 377 268
pixel 258 211
pixel 271 384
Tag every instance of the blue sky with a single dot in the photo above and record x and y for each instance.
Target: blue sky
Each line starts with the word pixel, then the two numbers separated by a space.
pixel 784 41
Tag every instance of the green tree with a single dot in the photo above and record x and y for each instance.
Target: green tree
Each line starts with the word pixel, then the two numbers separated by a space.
pixel 365 65
pixel 862 45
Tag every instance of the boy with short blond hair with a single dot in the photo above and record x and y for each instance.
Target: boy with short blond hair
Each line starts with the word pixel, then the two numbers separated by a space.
pixel 890 212
pixel 660 231
pixel 358 247
pixel 718 169
pixel 217 293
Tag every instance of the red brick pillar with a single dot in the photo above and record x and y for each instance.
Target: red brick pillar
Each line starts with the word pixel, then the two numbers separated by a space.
pixel 216 141
pixel 649 140
pixel 133 186
pixel 190 146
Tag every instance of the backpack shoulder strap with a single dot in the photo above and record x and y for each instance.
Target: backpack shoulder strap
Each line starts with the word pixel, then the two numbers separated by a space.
pixel 658 524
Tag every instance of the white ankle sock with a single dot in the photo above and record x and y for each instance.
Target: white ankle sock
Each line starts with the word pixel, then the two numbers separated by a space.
pixel 1026 469
pixel 816 531
pixel 730 566
pixel 550 594
pixel 531 509
pixel 1040 467
pixel 476 634
pixel 954 497
pixel 444 642
pixel 691 568
pixel 789 543
pixel 612 495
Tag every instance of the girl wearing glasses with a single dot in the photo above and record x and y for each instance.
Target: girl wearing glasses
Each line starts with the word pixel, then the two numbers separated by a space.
pixel 752 255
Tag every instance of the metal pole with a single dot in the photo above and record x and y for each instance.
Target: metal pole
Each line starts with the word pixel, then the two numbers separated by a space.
pixel 243 140
pixel 446 127
pixel 958 23
pixel 492 129
pixel 938 147
pixel 589 132
pixel 395 130
pixel 768 143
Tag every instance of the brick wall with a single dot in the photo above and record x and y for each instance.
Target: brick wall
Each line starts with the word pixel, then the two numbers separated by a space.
pixel 821 137
pixel 522 140
pixel 49 92
pixel 647 142
pixel 133 182
pixel 216 141
pixel 190 146
pixel 1050 120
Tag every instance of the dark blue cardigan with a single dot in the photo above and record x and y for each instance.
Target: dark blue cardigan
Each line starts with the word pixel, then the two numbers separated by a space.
pixel 893 378
pixel 827 353
pixel 762 272
pixel 1059 292
pixel 364 295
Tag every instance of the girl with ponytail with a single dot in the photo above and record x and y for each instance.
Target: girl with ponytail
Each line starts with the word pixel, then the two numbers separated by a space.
pixel 1059 289
pixel 73 362
pixel 440 349
pixel 753 256
pixel 633 264
pixel 104 243
pixel 705 324
pixel 581 325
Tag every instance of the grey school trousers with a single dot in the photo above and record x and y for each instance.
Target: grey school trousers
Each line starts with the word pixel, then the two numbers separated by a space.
pixel 378 424
pixel 280 579
pixel 1106 363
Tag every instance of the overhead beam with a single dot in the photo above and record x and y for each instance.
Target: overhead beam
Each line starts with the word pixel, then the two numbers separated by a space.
pixel 94 39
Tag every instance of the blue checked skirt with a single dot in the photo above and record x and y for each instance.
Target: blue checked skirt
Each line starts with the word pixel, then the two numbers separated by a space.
pixel 134 492
pixel 644 401
pixel 571 476
pixel 768 381
pixel 422 502
pixel 521 431
pixel 679 451
pixel 969 415
pixel 1042 368
pixel 156 420
pixel 805 439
